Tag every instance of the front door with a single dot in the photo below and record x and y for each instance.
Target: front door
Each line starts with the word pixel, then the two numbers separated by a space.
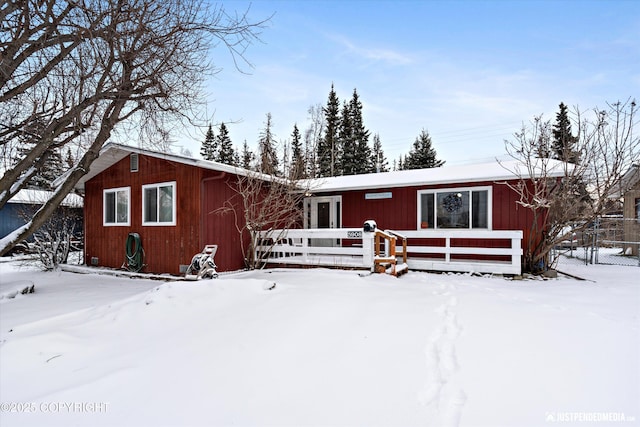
pixel 323 212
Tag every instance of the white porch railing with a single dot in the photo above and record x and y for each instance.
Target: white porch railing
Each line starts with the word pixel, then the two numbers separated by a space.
pixel 480 251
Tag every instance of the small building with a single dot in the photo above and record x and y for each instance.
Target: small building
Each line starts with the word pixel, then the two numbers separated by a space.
pixel 631 209
pixel 21 207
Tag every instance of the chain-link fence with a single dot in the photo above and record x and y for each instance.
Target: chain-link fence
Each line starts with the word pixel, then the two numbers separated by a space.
pixel 609 240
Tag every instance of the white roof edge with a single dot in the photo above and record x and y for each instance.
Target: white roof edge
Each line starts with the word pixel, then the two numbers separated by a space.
pixel 482 172
pixel 30 196
pixel 120 151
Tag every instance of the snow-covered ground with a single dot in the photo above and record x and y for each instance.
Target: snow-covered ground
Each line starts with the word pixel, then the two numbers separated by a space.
pixel 324 347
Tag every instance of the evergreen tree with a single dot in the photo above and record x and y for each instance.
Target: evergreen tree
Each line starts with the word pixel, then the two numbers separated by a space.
pixel 380 163
pixel 267 149
pixel 247 158
pixel 563 147
pixel 51 167
pixel 542 149
pixel 297 170
pixel 328 146
pixel 360 137
pixel 209 149
pixel 422 154
pixel 70 161
pixel 348 162
pixel 226 153
pixel 564 143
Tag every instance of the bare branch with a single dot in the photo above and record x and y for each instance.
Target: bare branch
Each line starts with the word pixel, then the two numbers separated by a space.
pixel 564 197
pixel 76 72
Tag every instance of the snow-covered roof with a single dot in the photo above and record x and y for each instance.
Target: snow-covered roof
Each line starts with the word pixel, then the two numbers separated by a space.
pixel 113 153
pixel 39 197
pixel 493 171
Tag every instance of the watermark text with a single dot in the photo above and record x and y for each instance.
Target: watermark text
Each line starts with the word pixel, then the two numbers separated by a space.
pixel 55 407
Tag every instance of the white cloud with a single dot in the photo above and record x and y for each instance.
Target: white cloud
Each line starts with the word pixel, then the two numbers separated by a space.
pixel 375 54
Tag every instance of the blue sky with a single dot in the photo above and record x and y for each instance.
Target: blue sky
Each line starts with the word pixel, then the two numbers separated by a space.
pixel 469 72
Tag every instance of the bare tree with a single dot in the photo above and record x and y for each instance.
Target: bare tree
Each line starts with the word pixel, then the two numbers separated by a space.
pixel 312 137
pixel 79 72
pixel 262 202
pixel 59 234
pixel 563 197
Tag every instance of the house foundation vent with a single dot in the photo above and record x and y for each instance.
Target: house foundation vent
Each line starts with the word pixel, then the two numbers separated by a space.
pixel 94 260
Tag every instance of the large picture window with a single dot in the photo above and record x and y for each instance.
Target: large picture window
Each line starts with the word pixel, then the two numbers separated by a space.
pixel 159 204
pixel 455 208
pixel 116 206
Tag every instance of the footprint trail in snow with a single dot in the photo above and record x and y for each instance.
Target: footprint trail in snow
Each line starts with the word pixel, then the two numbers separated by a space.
pixel 442 393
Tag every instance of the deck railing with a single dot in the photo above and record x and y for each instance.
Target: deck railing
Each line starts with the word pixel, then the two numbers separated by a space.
pixel 481 251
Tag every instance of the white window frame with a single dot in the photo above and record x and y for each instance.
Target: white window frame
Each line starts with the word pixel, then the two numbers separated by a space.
pixel 173 204
pixel 435 191
pixel 106 191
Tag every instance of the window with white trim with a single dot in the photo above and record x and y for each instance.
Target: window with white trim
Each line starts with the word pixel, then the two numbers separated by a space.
pixel 116 204
pixel 466 208
pixel 159 204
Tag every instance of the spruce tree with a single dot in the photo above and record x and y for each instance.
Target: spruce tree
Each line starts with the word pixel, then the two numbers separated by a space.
pixel 348 161
pixel 563 147
pixel 297 170
pixel 360 137
pixel 52 169
pixel 564 143
pixel 208 150
pixel 247 157
pixel 328 146
pixel 226 152
pixel 267 149
pixel 422 154
pixel 49 167
pixel 69 160
pixel 380 163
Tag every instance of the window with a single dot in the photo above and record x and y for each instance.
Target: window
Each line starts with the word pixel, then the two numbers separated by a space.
pixel 638 210
pixel 455 208
pixel 159 204
pixel 116 206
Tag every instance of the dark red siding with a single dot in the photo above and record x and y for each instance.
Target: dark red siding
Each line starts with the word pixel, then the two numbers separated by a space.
pixel 401 210
pixel 165 247
pixel 218 224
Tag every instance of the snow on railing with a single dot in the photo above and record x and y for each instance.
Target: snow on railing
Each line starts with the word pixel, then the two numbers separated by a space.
pixel 482 251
